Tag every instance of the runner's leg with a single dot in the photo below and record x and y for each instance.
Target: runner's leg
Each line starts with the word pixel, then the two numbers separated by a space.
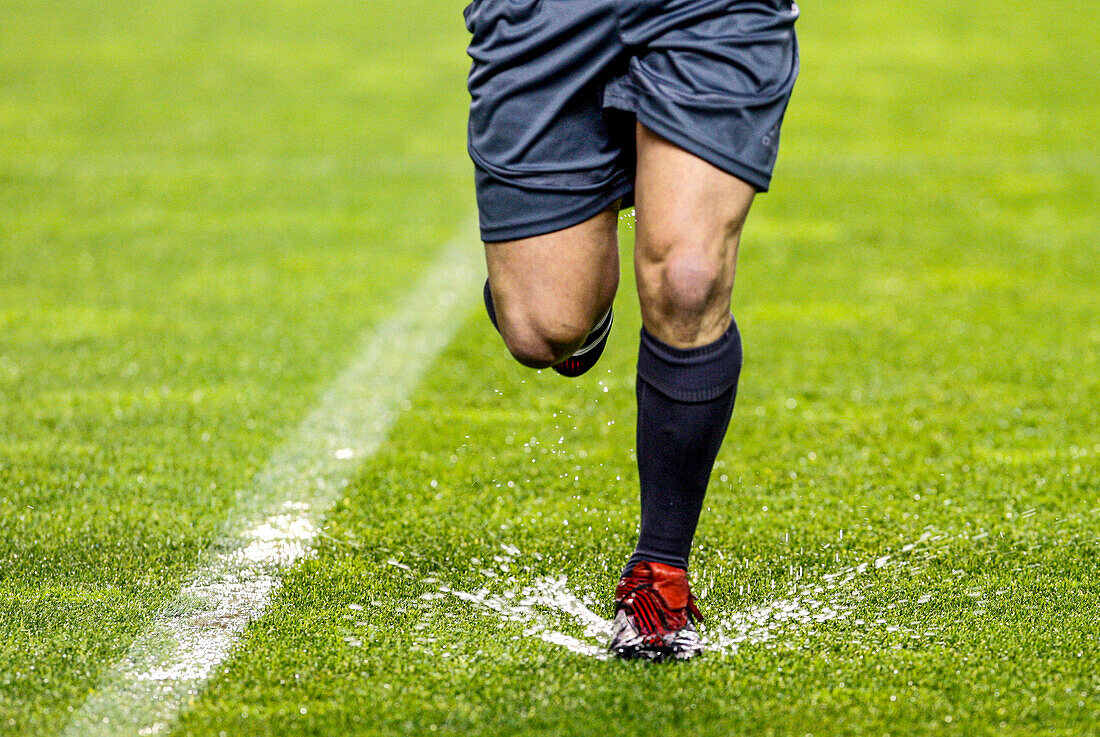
pixel 689 220
pixel 549 290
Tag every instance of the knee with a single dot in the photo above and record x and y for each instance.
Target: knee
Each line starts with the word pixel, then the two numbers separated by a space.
pixel 687 283
pixel 539 342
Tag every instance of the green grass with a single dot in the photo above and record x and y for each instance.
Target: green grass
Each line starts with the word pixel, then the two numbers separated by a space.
pixel 202 204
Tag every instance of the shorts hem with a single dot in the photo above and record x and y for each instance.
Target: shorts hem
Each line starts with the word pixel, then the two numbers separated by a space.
pixel 759 180
pixel 537 181
pixel 596 205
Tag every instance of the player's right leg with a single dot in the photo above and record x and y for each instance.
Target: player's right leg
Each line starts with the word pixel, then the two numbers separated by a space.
pixel 550 167
pixel 549 290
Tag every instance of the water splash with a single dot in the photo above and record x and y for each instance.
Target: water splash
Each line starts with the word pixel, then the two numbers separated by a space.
pixel 834 597
pixel 549 610
pixel 540 606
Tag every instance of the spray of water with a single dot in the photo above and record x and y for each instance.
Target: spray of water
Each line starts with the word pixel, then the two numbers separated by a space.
pixel 548 609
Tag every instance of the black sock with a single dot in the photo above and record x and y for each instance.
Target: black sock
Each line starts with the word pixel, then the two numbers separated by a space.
pixel 490 308
pixel 685 398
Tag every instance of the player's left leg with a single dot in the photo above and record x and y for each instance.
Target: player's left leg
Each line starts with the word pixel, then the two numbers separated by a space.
pixel 689 220
pixel 690 216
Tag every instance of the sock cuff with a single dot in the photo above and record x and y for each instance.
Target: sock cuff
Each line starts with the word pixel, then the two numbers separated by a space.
pixel 490 308
pixel 699 374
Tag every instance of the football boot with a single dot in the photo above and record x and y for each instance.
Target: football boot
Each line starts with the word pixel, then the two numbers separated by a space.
pixel 655 615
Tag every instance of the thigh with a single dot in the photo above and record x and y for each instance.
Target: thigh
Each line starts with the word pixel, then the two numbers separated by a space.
pixel 689 219
pixel 561 282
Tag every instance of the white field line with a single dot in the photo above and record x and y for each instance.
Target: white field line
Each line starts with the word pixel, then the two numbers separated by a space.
pixel 277 519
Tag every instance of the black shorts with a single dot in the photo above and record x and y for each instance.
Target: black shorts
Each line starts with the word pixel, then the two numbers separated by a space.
pixel 556 86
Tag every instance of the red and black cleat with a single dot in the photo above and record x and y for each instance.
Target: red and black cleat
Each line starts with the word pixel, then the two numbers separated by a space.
pixel 655 615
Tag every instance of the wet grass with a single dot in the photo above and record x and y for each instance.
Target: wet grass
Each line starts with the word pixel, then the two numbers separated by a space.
pixel 919 306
